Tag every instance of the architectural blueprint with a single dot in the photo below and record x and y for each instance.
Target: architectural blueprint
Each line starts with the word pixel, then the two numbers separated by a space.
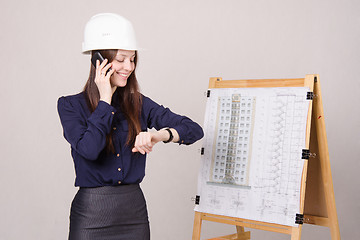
pixel 252 159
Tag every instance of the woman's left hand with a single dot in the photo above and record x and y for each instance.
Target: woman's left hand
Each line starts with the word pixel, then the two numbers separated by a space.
pixel 145 141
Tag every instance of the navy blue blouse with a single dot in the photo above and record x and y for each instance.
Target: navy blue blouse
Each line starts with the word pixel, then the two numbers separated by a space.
pixel 86 132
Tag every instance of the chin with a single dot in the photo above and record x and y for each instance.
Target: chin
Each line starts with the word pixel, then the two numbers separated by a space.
pixel 121 85
pixel 118 82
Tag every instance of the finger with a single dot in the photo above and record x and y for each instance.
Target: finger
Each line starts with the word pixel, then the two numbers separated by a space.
pixel 107 66
pixel 98 69
pixel 149 143
pixel 140 150
pixel 143 142
pixel 137 145
pixel 110 72
pixel 102 65
pixel 146 148
pixel 136 149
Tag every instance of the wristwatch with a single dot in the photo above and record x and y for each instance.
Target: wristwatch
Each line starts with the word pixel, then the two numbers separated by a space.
pixel 170 137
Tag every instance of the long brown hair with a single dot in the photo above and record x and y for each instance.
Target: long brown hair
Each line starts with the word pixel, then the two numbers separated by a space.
pixel 129 98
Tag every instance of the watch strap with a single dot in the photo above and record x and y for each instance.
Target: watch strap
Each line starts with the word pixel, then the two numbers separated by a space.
pixel 170 137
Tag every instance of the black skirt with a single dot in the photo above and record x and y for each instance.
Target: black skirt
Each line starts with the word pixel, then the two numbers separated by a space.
pixel 109 212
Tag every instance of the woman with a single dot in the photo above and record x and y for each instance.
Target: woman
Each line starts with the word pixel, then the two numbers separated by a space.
pixel 106 125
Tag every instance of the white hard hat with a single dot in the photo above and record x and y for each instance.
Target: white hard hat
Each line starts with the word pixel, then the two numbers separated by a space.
pixel 108 31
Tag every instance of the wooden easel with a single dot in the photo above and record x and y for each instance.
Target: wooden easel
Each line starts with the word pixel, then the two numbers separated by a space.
pixel 317 200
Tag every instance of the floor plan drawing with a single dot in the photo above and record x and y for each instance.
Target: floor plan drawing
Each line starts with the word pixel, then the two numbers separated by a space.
pixel 252 164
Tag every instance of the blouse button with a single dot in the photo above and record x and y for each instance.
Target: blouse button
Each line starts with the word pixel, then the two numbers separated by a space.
pixel 118 155
pixel 114 128
pixel 119 182
pixel 112 113
pixel 182 141
pixel 119 169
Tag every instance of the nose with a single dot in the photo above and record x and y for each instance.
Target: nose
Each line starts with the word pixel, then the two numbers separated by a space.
pixel 128 65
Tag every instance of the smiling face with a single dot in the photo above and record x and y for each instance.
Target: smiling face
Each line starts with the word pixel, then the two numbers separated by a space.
pixel 124 65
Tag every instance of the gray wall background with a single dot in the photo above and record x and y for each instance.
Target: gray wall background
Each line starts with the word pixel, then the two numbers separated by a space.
pixel 186 42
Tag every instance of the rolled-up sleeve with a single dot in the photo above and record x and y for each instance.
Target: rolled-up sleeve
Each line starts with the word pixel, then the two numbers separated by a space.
pixel 159 117
pixel 86 134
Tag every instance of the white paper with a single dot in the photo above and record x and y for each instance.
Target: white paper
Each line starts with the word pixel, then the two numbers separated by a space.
pixel 252 162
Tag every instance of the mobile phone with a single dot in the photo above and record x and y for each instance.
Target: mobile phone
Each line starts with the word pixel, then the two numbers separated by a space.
pixel 98 56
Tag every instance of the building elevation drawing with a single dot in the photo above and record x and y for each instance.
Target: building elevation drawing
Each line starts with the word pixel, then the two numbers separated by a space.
pixel 252 163
pixel 232 151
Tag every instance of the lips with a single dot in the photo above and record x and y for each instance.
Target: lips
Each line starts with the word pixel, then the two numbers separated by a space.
pixel 123 74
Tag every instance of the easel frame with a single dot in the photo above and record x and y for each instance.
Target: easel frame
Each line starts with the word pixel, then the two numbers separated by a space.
pixel 313 196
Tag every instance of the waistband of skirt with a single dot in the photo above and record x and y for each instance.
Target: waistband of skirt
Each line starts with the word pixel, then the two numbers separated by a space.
pixel 104 190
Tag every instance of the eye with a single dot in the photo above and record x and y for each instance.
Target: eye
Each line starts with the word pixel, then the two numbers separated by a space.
pixel 122 60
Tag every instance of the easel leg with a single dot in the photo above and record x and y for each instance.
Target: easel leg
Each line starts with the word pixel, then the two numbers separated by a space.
pixel 197 226
pixel 240 229
pixel 334 228
pixel 325 163
pixel 296 233
pixel 241 234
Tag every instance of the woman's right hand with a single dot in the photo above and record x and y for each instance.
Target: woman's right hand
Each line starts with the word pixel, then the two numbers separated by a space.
pixel 102 81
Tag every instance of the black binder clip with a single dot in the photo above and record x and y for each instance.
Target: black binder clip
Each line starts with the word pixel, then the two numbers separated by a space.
pixel 299 219
pixel 196 199
pixel 306 154
pixel 202 151
pixel 309 96
pixel 208 93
